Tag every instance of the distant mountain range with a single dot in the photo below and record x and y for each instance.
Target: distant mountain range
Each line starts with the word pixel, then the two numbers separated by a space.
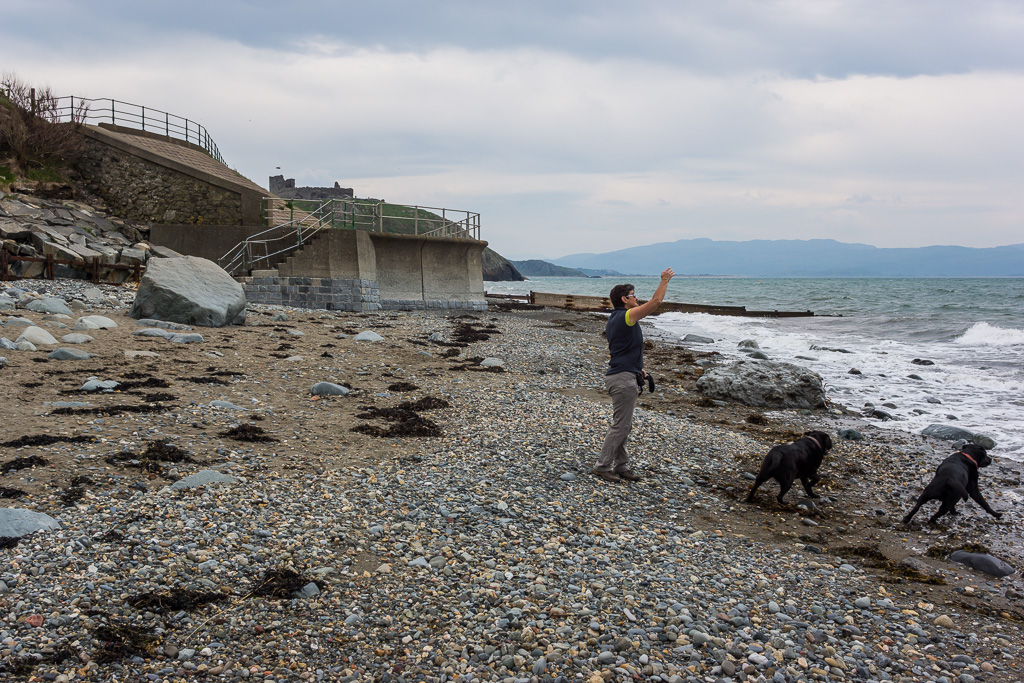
pixel 804 258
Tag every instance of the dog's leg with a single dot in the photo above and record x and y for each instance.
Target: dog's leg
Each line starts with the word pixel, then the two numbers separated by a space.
pixel 980 500
pixel 753 489
pixel 948 506
pixel 910 515
pixel 808 482
pixel 784 485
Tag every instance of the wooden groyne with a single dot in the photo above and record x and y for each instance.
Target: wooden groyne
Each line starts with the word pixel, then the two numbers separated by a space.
pixel 601 304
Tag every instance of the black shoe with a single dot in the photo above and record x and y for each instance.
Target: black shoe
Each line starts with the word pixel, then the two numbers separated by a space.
pixel 607 476
pixel 629 475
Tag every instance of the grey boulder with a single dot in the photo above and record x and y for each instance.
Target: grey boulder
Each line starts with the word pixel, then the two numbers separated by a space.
pixel 189 290
pixel 765 384
pixel 49 305
pixel 948 433
pixel 15 522
pixel 203 478
pixel 36 336
pixel 68 354
pixel 328 389
pixel 983 562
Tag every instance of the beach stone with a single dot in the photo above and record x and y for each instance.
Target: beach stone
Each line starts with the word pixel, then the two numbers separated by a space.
pixel 765 384
pixel 7 344
pixel 943 621
pixel 77 338
pixel 7 304
pixel 3 361
pixel 368 335
pixel 697 339
pixel 25 346
pixel 100 385
pixel 748 344
pixel 36 336
pixel 328 389
pixel 983 562
pixel 19 322
pixel 279 317
pixel 152 332
pixel 49 305
pixel 491 363
pixel 850 435
pixel 946 433
pixel 203 478
pixel 68 354
pixel 193 338
pixel 17 522
pixel 226 404
pixel 189 290
pixel 986 442
pixel 96 321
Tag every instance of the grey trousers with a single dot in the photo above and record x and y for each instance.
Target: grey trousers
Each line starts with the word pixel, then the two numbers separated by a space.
pixel 624 391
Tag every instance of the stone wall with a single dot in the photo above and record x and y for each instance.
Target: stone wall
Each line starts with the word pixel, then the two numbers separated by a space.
pixel 140 190
pixel 332 294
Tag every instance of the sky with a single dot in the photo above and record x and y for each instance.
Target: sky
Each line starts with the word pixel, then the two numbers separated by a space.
pixel 586 125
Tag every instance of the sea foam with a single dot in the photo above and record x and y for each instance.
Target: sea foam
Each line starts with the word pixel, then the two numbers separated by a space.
pixel 983 334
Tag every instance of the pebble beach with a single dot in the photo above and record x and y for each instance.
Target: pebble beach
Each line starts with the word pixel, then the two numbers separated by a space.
pixel 216 520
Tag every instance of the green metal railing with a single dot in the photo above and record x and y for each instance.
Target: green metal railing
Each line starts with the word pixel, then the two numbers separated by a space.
pixel 373 215
pixel 118 113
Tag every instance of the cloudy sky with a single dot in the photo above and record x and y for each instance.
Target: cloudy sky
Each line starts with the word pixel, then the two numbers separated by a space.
pixel 587 125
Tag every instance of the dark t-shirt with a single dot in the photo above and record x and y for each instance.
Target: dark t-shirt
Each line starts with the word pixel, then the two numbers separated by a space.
pixel 625 343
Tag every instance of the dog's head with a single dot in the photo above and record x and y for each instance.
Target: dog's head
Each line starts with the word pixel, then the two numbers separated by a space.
pixel 978 454
pixel 822 438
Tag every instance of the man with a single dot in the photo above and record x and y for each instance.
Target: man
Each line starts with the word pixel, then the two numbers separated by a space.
pixel 626 367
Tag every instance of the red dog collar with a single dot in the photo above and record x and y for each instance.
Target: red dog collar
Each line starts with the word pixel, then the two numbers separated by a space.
pixel 815 442
pixel 969 458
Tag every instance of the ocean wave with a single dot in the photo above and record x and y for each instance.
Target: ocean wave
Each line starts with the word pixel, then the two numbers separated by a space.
pixel 983 334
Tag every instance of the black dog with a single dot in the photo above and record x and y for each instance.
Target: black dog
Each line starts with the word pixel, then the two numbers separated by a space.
pixel 954 480
pixel 787 462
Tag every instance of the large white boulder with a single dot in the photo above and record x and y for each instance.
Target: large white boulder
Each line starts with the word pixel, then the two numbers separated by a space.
pixel 189 290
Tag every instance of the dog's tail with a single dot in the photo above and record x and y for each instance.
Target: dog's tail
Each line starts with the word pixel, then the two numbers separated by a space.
pixel 771 462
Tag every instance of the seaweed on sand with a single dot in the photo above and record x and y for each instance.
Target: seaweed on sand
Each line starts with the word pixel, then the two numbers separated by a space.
pixel 250 433
pixel 118 641
pixel 46 440
pixel 281 583
pixel 23 463
pixel 898 571
pixel 174 600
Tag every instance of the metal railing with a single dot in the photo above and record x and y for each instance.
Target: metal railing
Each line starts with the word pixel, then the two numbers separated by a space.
pixel 147 119
pixel 256 250
pixel 374 215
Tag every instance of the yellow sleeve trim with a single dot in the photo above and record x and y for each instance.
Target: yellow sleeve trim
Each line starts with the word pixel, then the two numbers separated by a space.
pixel 628 321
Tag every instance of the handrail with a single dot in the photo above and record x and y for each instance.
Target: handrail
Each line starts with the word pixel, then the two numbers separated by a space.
pixel 146 119
pixel 243 257
pixel 373 215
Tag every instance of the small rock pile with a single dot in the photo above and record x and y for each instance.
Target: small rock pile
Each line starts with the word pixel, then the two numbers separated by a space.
pixel 73 232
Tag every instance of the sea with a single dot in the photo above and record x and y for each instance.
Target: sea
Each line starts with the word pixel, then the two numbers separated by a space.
pixel 970 329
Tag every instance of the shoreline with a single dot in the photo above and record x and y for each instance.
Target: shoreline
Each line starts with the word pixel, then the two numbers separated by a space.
pixel 487 550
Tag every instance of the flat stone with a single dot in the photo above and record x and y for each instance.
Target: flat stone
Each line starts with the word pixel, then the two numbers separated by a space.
pixel 203 478
pixel 193 338
pixel 16 522
pixel 36 336
pixel 49 305
pixel 77 338
pixel 101 322
pixel 368 335
pixel 68 354
pixel 328 389
pixel 141 354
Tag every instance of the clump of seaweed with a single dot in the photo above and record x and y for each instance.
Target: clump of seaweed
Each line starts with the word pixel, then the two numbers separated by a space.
pixel 281 583
pixel 402 386
pixel 11 492
pixel 159 397
pixel 757 419
pixel 7 542
pixel 150 460
pixel 117 641
pixel 248 432
pixel 72 495
pixel 112 410
pixel 941 552
pixel 24 463
pixel 206 380
pixel 174 600
pixel 425 403
pixel 46 440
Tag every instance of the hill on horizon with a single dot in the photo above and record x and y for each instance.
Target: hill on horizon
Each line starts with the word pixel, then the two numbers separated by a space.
pixel 805 258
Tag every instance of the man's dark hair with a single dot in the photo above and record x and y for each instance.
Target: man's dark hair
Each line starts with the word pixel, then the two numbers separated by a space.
pixel 619 291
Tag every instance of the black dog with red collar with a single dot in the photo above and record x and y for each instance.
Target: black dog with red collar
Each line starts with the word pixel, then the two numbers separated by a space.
pixel 955 479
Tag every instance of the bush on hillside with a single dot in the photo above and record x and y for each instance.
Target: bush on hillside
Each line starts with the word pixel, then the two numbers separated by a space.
pixel 32 136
